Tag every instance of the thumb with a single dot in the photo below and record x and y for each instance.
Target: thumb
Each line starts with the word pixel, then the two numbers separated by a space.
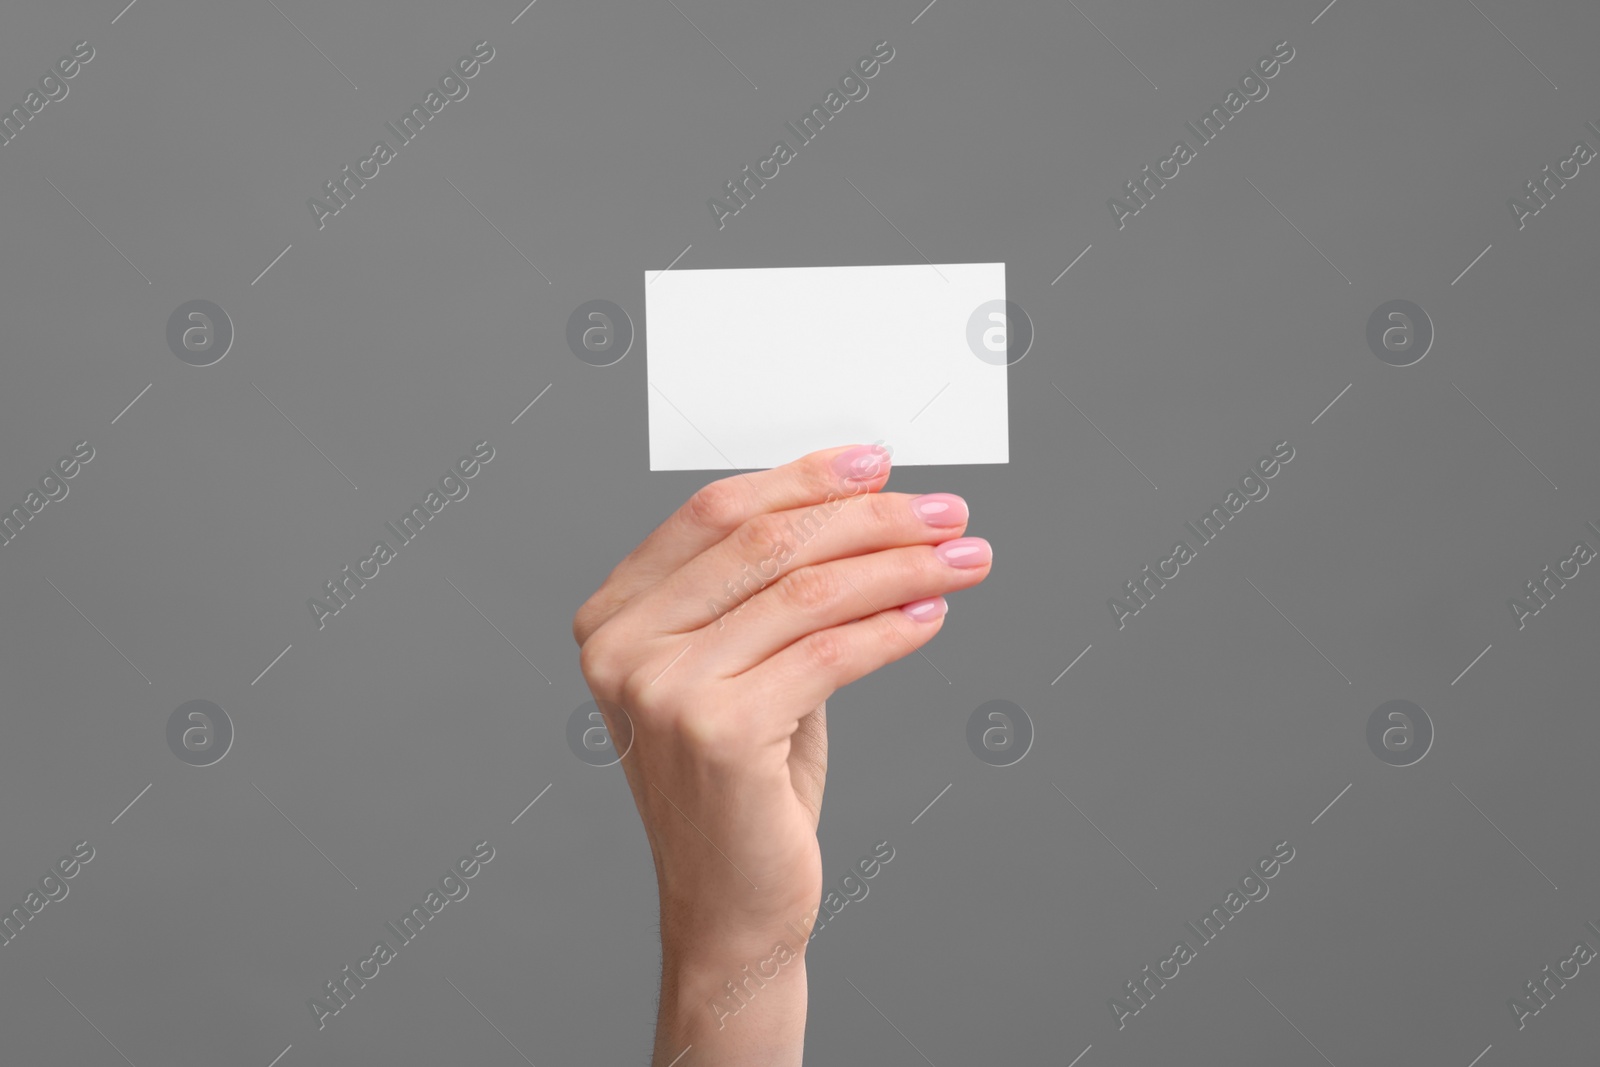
pixel 808 760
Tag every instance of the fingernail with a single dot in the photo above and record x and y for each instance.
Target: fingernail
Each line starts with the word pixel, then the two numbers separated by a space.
pixel 965 552
pixel 862 463
pixel 940 509
pixel 926 610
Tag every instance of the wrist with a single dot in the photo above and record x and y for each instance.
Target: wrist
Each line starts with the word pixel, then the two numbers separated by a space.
pixel 734 1002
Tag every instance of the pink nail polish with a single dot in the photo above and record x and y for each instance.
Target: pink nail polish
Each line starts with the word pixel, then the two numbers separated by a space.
pixel 965 552
pixel 926 610
pixel 864 463
pixel 940 509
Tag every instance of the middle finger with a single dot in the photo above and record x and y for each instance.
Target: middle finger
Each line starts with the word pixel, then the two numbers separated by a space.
pixel 764 549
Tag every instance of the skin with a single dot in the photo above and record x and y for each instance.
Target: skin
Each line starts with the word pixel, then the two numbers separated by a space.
pixel 711 650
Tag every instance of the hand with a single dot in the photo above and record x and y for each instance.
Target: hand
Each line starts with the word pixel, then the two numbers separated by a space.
pixel 711 649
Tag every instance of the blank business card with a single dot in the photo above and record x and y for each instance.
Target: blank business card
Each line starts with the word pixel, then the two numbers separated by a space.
pixel 754 368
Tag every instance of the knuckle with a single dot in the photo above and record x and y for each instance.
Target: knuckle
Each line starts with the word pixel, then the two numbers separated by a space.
pixel 714 738
pixel 586 621
pixel 807 523
pixel 826 650
pixel 654 689
pixel 886 517
pixel 646 704
pixel 761 536
pixel 812 590
pixel 919 568
pixel 601 661
pixel 716 506
pixel 818 473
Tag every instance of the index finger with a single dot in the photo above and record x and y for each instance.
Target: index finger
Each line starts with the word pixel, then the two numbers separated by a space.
pixel 722 506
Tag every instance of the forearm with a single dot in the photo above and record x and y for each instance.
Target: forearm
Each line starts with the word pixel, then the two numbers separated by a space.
pixel 737 1006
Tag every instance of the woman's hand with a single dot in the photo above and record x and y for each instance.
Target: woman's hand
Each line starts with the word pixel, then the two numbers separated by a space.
pixel 711 649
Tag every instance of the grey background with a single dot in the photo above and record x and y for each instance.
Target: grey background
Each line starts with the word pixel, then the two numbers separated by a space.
pixel 1195 338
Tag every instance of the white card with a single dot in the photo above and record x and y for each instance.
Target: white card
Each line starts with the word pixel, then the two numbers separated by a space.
pixel 754 368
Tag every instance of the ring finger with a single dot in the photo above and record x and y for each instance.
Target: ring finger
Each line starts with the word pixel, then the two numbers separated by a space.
pixel 837 592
